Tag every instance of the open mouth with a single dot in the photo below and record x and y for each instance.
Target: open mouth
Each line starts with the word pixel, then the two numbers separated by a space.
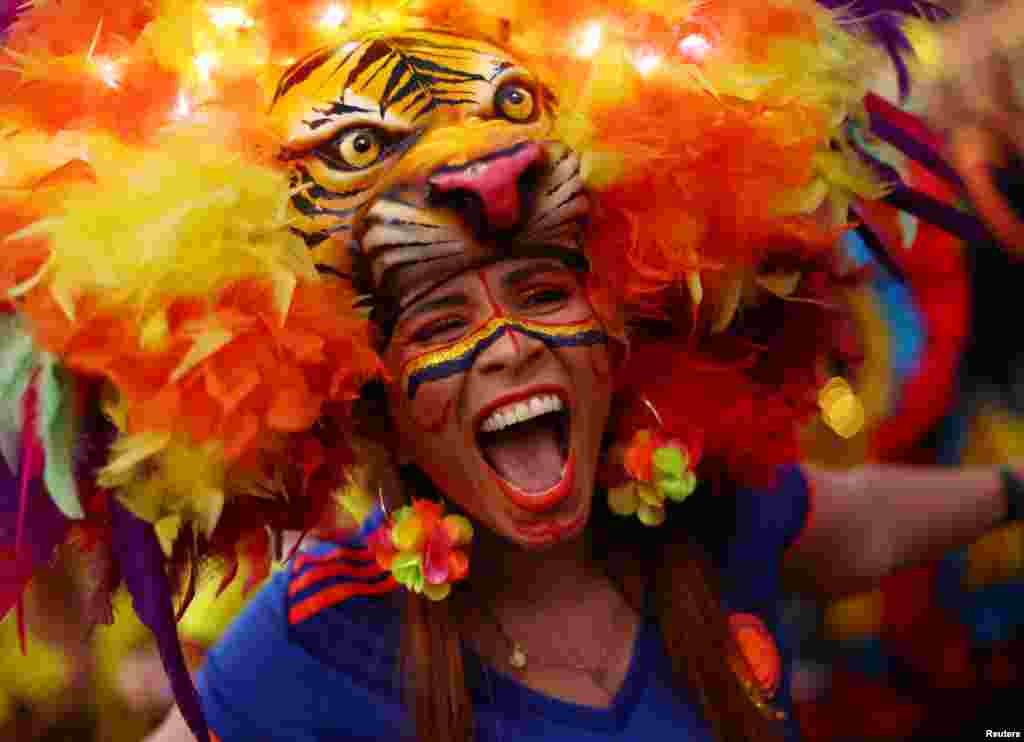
pixel 526 442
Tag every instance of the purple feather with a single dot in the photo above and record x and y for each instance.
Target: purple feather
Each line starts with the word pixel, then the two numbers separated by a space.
pixel 962 225
pixel 9 10
pixel 959 223
pixel 142 564
pixel 895 44
pixel 883 19
pixel 884 124
pixel 44 528
pixel 891 132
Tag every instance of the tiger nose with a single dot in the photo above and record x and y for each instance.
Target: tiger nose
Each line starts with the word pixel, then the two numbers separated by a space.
pixel 489 192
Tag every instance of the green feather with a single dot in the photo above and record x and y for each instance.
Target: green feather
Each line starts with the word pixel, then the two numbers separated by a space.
pixel 57 432
pixel 18 360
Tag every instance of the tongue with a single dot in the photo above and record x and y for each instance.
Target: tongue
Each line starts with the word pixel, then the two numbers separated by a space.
pixel 527 455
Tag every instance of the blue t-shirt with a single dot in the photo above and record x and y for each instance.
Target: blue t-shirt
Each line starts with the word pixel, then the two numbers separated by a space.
pixel 314 656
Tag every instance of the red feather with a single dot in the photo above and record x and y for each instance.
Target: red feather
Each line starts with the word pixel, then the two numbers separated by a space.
pixel 32 458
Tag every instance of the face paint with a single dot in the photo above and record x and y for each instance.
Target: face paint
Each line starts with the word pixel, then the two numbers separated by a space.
pixel 466 356
pixel 458 357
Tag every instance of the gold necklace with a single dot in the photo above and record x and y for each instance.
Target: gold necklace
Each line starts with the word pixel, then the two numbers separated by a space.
pixel 518 657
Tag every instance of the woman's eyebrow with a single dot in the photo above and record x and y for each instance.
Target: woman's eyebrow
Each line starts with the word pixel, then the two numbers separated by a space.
pixel 521 275
pixel 454 299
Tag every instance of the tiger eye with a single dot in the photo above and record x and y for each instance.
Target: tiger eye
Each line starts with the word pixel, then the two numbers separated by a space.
pixel 515 102
pixel 360 148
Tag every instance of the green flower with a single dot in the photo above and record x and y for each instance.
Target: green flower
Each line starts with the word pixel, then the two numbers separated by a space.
pixel 407 567
pixel 670 473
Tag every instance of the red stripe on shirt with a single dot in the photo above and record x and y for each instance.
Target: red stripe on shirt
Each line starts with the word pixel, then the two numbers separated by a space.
pixel 337 594
pixel 341 552
pixel 325 571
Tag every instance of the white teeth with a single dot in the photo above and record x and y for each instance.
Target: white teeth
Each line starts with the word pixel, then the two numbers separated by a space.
pixel 518 412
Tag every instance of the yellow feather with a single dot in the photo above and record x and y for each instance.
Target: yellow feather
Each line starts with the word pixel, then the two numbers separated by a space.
pixel 779 284
pixel 205 342
pixel 356 501
pixel 128 453
pixel 167 529
pixel 926 42
pixel 854 177
pixel 181 221
pixel 727 302
pixel 696 289
pixel 154 331
pixel 804 200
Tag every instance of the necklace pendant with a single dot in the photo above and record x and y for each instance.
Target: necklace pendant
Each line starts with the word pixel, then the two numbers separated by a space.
pixel 518 657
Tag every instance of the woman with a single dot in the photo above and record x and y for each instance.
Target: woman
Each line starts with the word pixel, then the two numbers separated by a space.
pixel 561 285
pixel 559 630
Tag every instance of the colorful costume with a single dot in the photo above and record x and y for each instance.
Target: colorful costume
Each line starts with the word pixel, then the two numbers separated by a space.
pixel 351 689
pixel 198 289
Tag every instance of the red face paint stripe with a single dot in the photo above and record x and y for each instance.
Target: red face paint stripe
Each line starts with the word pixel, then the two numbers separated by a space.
pixel 601 371
pixel 337 594
pixel 497 309
pixel 487 292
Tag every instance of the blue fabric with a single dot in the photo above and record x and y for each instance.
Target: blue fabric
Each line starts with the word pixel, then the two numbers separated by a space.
pixel 334 676
pixel 907 333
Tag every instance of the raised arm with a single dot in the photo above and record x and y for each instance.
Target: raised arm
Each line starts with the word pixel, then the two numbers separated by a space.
pixel 867 522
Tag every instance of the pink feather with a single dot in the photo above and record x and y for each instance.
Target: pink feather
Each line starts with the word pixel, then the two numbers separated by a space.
pixel 32 460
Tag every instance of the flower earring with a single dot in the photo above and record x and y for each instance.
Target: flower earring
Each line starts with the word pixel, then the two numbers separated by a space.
pixel 424 548
pixel 659 467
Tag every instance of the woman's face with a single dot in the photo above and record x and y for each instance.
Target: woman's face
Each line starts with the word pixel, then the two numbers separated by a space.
pixel 501 392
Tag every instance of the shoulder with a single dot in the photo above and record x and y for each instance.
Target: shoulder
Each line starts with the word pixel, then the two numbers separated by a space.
pixel 313 655
pixel 773 517
pixel 342 608
pixel 767 522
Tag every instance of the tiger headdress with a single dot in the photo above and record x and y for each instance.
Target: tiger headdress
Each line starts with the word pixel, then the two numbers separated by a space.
pixel 424 147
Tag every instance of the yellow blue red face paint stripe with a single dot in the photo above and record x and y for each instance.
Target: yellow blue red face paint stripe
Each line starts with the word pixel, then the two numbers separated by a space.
pixel 460 356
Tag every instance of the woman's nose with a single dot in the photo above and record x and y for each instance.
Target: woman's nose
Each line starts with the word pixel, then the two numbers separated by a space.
pixel 513 353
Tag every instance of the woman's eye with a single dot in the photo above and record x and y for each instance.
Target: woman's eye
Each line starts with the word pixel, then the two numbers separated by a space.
pixel 546 296
pixel 439 330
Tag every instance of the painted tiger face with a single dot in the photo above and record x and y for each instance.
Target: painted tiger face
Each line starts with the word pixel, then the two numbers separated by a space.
pixel 424 149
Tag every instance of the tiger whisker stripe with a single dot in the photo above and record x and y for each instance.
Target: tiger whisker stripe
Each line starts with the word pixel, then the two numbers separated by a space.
pixel 540 228
pixel 578 193
pixel 307 208
pixel 574 175
pixel 395 222
pixel 315 190
pixel 394 256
